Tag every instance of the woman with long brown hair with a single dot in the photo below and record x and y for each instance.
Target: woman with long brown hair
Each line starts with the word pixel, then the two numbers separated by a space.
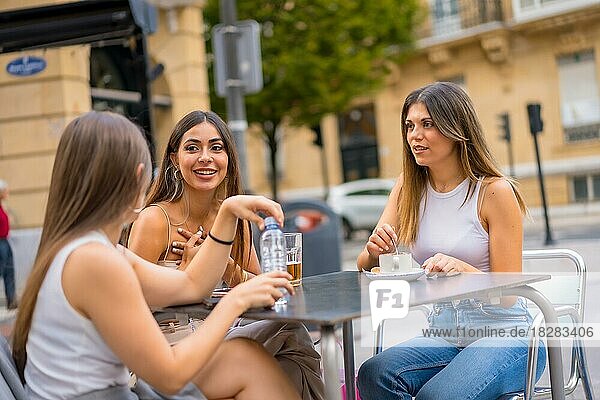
pixel 457 213
pixel 199 170
pixel 84 316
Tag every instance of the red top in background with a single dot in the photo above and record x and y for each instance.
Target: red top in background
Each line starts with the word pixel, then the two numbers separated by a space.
pixel 3 223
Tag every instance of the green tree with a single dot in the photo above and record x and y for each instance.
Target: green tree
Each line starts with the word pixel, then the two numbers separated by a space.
pixel 318 55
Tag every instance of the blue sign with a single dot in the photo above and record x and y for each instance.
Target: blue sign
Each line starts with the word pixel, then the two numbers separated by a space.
pixel 26 66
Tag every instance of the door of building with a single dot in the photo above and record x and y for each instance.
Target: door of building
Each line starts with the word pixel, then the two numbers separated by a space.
pixel 358 142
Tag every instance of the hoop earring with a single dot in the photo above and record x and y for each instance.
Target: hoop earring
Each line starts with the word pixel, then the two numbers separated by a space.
pixel 177 178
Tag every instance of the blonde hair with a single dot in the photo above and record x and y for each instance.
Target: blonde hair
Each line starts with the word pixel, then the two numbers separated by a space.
pixel 454 115
pixel 93 184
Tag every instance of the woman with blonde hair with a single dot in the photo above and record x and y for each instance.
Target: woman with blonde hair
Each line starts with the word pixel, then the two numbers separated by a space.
pixel 199 171
pixel 84 316
pixel 457 213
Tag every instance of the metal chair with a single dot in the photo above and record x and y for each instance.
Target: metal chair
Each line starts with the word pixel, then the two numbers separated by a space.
pixel 567 293
pixel 11 387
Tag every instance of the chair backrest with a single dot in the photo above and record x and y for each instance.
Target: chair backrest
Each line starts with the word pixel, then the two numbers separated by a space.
pixel 10 384
pixel 567 287
pixel 566 291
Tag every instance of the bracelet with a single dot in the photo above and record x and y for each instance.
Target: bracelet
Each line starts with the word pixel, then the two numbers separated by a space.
pixel 220 241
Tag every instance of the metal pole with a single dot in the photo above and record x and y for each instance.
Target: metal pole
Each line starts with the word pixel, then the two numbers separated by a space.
pixel 330 363
pixel 555 364
pixel 234 87
pixel 325 172
pixel 549 239
pixel 349 378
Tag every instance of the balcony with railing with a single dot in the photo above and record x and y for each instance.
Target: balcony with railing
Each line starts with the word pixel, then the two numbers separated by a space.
pixel 452 19
pixel 529 10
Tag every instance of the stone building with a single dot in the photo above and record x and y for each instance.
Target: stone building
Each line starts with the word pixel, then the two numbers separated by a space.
pixel 505 53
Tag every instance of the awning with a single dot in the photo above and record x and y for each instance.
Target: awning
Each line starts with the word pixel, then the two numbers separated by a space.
pixel 79 22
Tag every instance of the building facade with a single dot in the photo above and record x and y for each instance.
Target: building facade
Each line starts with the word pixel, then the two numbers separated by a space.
pixel 505 53
pixel 34 109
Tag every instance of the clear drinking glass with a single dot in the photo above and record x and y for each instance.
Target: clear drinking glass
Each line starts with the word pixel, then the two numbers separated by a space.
pixel 293 250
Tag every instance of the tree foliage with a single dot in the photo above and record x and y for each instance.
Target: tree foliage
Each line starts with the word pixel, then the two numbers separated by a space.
pixel 318 55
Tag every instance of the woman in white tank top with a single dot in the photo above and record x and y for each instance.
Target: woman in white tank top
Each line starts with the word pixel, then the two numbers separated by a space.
pixel 85 319
pixel 458 213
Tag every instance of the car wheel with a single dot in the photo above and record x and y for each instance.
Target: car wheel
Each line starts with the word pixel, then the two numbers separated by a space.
pixel 347 229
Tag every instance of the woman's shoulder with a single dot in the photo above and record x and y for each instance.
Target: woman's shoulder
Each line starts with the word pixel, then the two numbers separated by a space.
pixel 101 271
pixel 96 258
pixel 498 192
pixel 155 213
pixel 497 184
pixel 153 219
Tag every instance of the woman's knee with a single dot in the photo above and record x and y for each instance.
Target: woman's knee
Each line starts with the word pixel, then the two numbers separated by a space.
pixel 369 373
pixel 243 349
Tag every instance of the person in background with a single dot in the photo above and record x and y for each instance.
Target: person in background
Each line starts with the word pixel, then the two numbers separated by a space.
pixel 7 268
pixel 85 320
pixel 199 171
pixel 458 213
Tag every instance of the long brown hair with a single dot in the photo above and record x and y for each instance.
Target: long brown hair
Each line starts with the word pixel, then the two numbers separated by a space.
pixel 166 188
pixel 93 184
pixel 454 115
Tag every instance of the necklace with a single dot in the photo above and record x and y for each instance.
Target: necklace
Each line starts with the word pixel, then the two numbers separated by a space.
pixel 187 215
pixel 442 188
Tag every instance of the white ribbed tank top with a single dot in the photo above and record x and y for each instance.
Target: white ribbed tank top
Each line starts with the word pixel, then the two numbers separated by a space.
pixel 66 356
pixel 450 227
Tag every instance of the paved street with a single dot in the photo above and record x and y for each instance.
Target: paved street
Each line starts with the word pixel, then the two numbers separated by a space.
pixel 579 234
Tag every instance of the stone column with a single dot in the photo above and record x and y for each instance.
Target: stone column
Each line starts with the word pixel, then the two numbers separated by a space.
pixel 179 45
pixel 33 111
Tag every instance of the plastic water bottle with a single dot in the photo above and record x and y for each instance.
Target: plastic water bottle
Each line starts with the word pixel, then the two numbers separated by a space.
pixel 272 251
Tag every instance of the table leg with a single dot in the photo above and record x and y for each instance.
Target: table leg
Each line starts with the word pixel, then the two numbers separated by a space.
pixel 330 364
pixel 349 360
pixel 554 353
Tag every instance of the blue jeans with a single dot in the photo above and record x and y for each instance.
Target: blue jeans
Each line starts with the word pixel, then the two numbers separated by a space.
pixel 7 270
pixel 458 365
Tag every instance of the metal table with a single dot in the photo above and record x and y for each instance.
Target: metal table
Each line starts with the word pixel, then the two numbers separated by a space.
pixel 338 298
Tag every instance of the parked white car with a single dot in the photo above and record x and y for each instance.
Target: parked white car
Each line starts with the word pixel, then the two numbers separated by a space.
pixel 360 203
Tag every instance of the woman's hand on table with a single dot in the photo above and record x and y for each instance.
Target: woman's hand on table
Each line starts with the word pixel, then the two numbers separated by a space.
pixel 261 291
pixel 444 265
pixel 383 240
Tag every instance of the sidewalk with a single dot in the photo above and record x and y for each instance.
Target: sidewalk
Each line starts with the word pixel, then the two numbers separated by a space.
pixel 7 318
pixel 562 227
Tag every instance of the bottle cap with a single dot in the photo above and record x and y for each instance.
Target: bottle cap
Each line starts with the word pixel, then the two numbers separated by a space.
pixel 271 223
